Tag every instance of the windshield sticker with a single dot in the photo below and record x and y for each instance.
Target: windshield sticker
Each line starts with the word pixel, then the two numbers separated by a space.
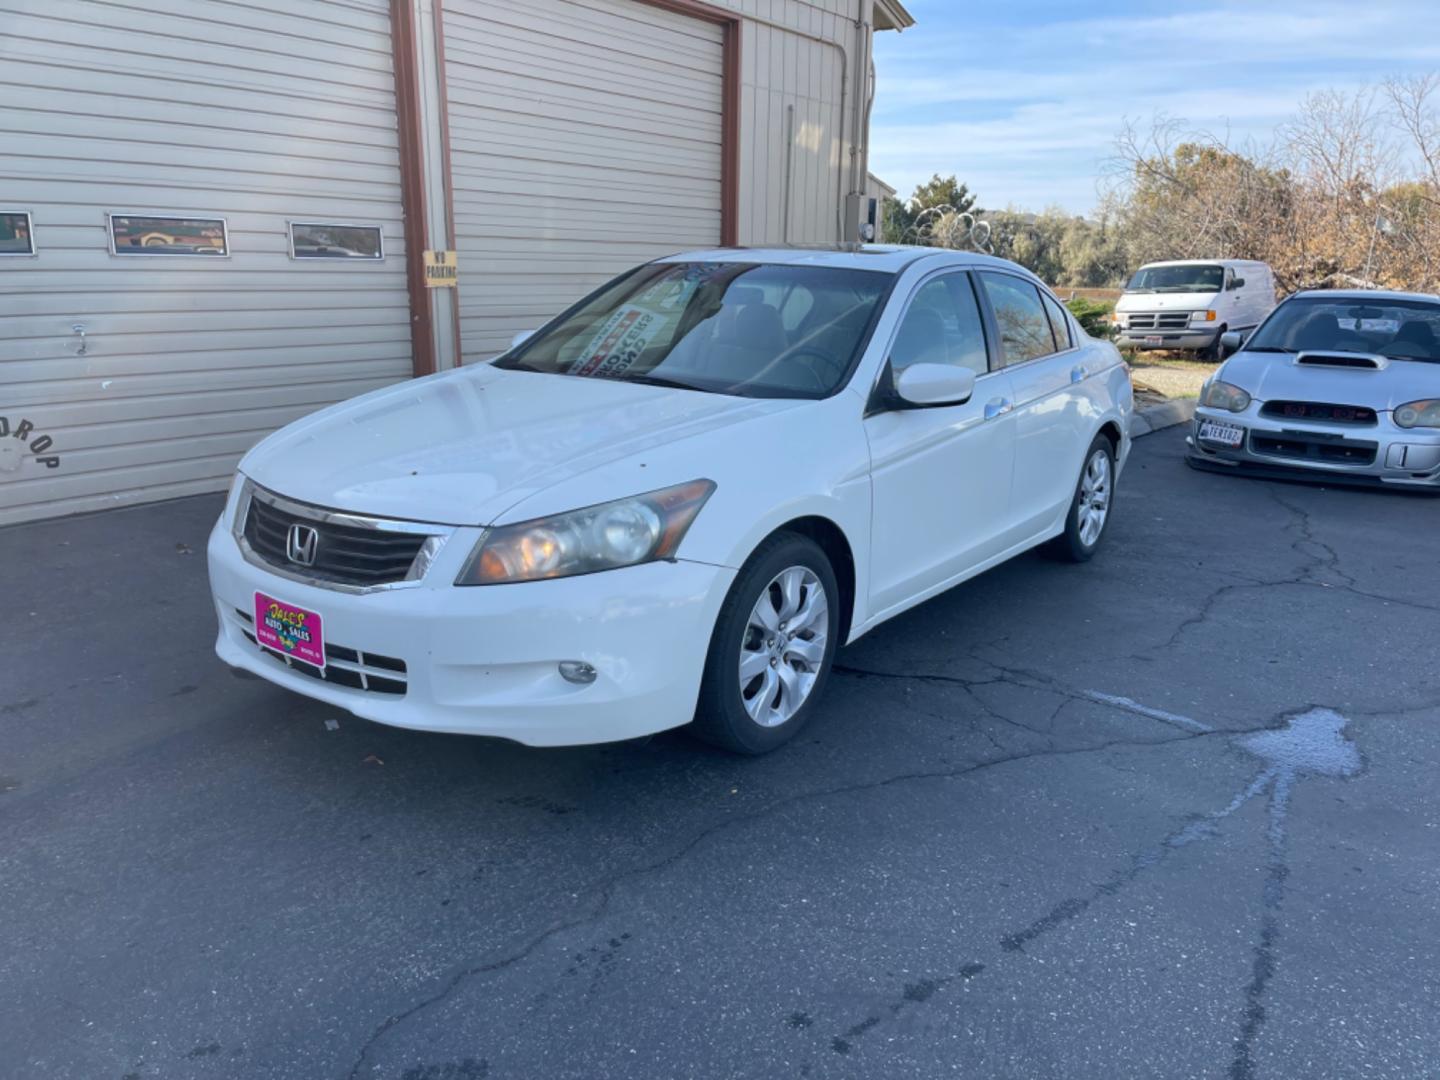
pixel 1379 326
pixel 619 343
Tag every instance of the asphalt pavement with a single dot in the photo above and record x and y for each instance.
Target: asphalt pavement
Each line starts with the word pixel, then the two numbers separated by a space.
pixel 1173 813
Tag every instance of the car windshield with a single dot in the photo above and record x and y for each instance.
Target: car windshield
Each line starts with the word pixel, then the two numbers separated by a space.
pixel 750 329
pixel 1403 329
pixel 1177 279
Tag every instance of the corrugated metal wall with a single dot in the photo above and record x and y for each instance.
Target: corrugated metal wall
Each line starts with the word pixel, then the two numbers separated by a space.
pixel 259 112
pixel 784 66
pixel 585 138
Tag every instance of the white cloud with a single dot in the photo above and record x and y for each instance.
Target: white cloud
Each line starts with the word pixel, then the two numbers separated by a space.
pixel 1027 113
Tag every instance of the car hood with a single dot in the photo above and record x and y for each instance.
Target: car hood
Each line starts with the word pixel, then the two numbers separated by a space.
pixel 463 447
pixel 1276 377
pixel 1168 301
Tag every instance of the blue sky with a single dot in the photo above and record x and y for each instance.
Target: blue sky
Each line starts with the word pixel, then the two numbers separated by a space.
pixel 1023 100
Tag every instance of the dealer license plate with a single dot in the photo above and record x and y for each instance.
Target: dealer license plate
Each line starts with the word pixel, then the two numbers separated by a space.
pixel 289 630
pixel 1154 340
pixel 1224 434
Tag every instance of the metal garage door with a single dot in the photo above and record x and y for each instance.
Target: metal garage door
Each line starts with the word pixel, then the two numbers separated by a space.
pixel 585 138
pixel 257 112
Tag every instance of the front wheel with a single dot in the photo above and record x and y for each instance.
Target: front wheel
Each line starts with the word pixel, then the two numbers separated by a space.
pixel 1090 508
pixel 1214 352
pixel 772 648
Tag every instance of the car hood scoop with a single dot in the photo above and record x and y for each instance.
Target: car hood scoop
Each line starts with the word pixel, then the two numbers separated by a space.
pixel 1354 361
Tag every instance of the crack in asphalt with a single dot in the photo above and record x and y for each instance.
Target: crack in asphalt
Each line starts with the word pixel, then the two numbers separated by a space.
pixel 1302 523
pixel 1306 743
pixel 968 686
pixel 1306 577
pixel 602 892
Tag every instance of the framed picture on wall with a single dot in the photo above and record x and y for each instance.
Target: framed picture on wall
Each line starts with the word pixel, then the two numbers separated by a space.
pixel 335 240
pixel 17 234
pixel 158 236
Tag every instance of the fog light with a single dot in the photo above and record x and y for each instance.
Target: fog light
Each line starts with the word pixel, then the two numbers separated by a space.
pixel 577 671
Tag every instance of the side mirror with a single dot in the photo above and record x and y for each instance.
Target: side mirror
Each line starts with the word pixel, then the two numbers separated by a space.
pixel 925 385
pixel 1238 283
pixel 520 338
pixel 1230 343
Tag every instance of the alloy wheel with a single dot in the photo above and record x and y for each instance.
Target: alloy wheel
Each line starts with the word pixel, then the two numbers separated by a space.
pixel 1095 489
pixel 784 646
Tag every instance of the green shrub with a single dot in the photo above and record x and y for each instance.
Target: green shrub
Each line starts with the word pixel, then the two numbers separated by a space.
pixel 1094 316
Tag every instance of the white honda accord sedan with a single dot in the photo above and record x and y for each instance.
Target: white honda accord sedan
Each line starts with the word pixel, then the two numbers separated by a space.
pixel 675 501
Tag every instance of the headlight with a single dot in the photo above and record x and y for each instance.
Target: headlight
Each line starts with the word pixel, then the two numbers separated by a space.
pixel 237 502
pixel 614 534
pixel 1419 414
pixel 1202 316
pixel 1221 395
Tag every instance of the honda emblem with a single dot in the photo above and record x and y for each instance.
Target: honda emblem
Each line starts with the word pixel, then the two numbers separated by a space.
pixel 301 545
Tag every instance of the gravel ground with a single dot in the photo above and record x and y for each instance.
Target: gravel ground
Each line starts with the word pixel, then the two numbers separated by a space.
pixel 1171 378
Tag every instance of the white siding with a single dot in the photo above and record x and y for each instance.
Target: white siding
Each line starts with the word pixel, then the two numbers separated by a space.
pixel 258 112
pixel 585 138
pixel 784 66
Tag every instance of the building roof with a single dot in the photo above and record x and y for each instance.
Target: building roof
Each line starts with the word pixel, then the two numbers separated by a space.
pixel 875 181
pixel 891 15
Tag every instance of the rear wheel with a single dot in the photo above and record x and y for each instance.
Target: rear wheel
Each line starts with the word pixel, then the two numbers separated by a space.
pixel 1090 508
pixel 772 648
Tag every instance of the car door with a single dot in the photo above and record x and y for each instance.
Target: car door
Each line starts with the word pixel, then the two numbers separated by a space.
pixel 1044 382
pixel 940 476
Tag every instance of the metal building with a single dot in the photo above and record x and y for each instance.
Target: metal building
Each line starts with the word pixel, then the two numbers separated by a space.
pixel 214 213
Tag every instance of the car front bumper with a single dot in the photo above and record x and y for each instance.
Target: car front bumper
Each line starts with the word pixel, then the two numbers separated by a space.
pixel 485 660
pixel 1381 454
pixel 1168 339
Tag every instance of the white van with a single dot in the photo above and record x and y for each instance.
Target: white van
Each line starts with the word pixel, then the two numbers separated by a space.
pixel 1188 304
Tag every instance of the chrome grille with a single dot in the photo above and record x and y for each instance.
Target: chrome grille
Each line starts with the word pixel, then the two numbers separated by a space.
pixel 348 551
pixel 1158 320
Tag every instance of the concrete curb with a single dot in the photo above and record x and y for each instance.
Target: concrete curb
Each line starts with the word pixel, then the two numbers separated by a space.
pixel 1155 418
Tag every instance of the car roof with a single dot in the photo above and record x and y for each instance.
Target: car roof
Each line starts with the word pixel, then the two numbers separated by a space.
pixel 1377 295
pixel 890 258
pixel 1206 262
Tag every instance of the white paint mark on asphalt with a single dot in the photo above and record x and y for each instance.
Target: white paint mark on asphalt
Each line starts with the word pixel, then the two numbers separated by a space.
pixel 1312 743
pixel 1129 705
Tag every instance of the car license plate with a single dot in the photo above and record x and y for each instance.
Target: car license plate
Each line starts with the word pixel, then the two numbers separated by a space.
pixel 1225 434
pixel 1154 340
pixel 289 630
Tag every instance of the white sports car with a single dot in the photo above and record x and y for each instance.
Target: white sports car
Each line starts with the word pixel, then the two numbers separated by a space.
pixel 1340 386
pixel 675 501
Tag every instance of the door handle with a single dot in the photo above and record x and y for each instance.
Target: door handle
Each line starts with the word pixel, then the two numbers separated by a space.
pixel 1078 373
pixel 997 407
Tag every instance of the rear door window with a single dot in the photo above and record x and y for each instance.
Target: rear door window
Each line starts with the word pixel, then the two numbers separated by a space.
pixel 1059 324
pixel 1025 332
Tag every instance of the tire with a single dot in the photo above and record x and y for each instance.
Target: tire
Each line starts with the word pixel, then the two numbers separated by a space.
pixel 1211 353
pixel 1079 542
pixel 734 712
